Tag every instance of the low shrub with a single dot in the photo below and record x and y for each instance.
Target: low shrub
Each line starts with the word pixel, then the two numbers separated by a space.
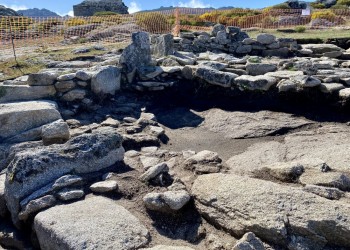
pixel 323 14
pixel 300 29
pixel 105 13
pixel 316 5
pixel 343 2
pixel 75 22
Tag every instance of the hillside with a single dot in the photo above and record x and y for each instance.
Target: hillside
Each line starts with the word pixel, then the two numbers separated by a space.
pixel 7 11
pixel 37 13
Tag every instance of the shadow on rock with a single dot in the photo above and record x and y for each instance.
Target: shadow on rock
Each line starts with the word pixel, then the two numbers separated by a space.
pixel 178 118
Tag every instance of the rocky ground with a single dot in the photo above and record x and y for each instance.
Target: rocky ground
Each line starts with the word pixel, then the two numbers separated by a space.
pixel 173 157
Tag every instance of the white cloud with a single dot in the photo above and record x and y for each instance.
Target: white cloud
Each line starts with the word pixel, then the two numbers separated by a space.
pixel 69 13
pixel 16 7
pixel 134 7
pixel 194 4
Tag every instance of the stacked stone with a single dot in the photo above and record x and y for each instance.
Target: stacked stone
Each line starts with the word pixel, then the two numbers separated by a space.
pixel 234 41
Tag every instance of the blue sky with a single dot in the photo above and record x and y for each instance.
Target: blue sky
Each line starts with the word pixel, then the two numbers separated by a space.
pixel 64 7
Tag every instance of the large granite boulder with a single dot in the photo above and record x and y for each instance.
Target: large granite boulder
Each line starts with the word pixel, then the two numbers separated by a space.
pixel 318 143
pixel 136 55
pixel 34 168
pixel 282 215
pixel 94 223
pixel 16 118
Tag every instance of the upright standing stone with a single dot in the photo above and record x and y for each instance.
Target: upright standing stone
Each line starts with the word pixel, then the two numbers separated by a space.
pixel 136 55
pixel 163 45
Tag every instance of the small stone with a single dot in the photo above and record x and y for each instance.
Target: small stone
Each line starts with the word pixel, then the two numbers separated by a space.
pixel 104 186
pixel 66 77
pixel 188 153
pixel 66 181
pixel 74 95
pixel 266 38
pixel 82 83
pixel 82 75
pixel 330 88
pixel 129 119
pixel 148 161
pixel 256 69
pixel 344 93
pixel 64 86
pixel 157 131
pixel 70 194
pixel 108 176
pixel 261 82
pixel 168 201
pixel 111 122
pixel 285 171
pixel 154 171
pixel 55 133
pixel 287 85
pixel 132 153
pixel 249 242
pixel 36 205
pixel 149 149
pixel 306 81
pixel 42 79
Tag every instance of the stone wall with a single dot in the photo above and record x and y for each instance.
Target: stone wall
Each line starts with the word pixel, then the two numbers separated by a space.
pixel 89 8
pixel 234 41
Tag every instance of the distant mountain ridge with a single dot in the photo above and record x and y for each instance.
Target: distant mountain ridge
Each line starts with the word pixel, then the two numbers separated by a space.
pixel 37 13
pixel 188 9
pixel 7 11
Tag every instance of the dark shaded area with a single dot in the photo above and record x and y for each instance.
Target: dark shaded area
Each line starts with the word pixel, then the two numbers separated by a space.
pixel 184 224
pixel 173 107
pixel 178 118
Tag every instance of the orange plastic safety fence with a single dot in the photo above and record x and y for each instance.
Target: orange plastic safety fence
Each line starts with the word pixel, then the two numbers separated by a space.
pixel 28 31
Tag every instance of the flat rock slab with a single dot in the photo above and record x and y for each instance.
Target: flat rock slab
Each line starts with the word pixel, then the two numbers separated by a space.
pixel 11 93
pixel 273 212
pixel 238 125
pixel 329 143
pixel 94 223
pixel 18 117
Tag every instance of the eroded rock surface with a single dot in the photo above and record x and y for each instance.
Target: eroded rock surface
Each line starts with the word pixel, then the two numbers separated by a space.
pixel 249 125
pixel 82 225
pixel 275 213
